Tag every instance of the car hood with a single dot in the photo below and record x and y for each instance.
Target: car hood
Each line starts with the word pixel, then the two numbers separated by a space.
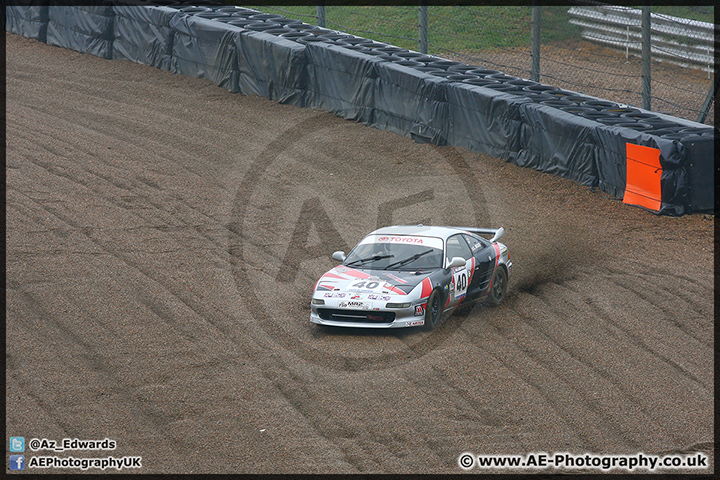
pixel 346 279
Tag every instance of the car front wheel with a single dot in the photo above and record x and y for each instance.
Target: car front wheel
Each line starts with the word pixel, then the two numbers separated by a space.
pixel 433 312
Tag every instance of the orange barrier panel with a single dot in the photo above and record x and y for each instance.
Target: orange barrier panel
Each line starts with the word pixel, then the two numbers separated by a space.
pixel 642 187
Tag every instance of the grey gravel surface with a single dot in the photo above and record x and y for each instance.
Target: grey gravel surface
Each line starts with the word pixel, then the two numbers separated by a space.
pixel 164 236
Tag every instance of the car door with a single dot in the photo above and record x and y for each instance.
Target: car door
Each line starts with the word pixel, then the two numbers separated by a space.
pixel 484 256
pixel 456 246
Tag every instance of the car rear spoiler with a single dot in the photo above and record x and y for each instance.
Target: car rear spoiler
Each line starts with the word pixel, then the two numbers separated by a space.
pixel 495 232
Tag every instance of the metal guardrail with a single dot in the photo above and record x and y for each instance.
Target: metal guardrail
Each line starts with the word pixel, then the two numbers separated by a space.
pixel 687 43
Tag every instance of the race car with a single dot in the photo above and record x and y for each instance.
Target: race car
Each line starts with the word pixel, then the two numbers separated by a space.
pixel 412 276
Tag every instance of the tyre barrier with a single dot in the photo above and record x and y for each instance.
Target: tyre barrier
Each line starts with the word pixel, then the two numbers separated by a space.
pixel 503 78
pixel 445 64
pixel 313 39
pixel 459 77
pixel 580 137
pixel 438 72
pixel 301 27
pixel 612 120
pixel 375 45
pixel 243 23
pixel 335 36
pixel 576 109
pixel 638 115
pixel 228 18
pixel 262 26
pixel 482 72
pixel 539 88
pixel 266 17
pixel 524 84
pixel 194 9
pixel 215 15
pixel 555 103
pixel 358 48
pixel 666 131
pixel 479 81
pixel 357 41
pixel 462 68
pixel 392 50
pixel 409 63
pixel 536 97
pixel 293 35
pixel 235 10
pixel 503 87
pixel 276 31
pixel 410 55
pixel 289 22
pixel 600 104
pixel 621 110
pixel 659 123
pixel 641 127
pixel 569 96
pixel 593 114
pixel 427 69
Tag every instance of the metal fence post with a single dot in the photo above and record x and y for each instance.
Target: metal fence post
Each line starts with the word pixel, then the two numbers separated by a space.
pixel 535 48
pixel 321 14
pixel 423 26
pixel 708 101
pixel 646 52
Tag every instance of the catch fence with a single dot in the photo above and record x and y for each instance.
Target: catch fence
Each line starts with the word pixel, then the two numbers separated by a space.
pixel 593 49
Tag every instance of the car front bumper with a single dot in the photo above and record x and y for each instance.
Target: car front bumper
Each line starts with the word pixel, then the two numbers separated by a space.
pixel 383 318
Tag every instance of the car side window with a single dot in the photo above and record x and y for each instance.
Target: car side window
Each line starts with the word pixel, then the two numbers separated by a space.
pixel 457 247
pixel 475 243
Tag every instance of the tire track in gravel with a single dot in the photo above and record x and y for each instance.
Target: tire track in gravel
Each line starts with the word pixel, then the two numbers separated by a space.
pixel 627 333
pixel 274 371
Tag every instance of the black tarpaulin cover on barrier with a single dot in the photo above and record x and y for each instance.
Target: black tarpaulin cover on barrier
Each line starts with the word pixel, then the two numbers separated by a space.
pixel 557 142
pixel 144 35
pixel 30 21
pixel 409 102
pixel 83 28
pixel 384 94
pixel 271 67
pixel 341 81
pixel 206 49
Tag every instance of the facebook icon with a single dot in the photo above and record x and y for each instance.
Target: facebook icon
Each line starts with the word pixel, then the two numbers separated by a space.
pixel 17 462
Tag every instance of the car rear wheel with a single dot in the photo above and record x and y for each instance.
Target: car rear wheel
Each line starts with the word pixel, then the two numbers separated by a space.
pixel 433 312
pixel 498 287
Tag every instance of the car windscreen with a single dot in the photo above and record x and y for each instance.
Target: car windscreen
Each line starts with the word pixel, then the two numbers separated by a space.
pixel 396 255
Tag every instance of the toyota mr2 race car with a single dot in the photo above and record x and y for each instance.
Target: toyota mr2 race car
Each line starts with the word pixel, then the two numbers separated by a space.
pixel 407 276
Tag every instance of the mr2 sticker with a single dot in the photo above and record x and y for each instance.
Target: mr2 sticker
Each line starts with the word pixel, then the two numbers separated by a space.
pixel 355 304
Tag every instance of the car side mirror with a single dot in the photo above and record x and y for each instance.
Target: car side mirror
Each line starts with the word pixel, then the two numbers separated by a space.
pixel 339 256
pixel 456 262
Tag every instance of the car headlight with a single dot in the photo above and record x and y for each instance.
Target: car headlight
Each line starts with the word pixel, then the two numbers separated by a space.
pixel 397 305
pixel 318 301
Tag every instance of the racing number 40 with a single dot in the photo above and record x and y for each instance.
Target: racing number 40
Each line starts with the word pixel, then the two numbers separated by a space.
pixel 367 285
pixel 461 283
